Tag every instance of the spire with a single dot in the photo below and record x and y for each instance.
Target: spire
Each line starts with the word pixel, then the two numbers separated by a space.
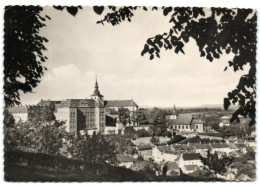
pixel 96 94
pixel 174 109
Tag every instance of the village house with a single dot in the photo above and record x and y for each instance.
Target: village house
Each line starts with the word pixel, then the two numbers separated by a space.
pixel 188 159
pixel 210 135
pixel 220 148
pixel 172 169
pixel 242 147
pixel 125 161
pixel 224 122
pixel 182 148
pixel 164 154
pixel 243 177
pixel 146 151
pixel 19 113
pixel 202 148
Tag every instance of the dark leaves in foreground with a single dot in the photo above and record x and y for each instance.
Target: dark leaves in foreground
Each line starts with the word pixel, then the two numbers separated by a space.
pixel 221 32
pixel 73 10
pixel 23 51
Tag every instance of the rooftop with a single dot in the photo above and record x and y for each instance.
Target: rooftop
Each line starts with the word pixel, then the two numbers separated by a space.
pixel 124 158
pixel 172 166
pixel 191 167
pixel 219 145
pixel 20 109
pixel 120 103
pixel 191 156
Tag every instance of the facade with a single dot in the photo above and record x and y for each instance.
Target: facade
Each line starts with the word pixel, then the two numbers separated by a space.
pixel 172 169
pixel 220 148
pixel 125 161
pixel 190 162
pixel 224 122
pixel 92 115
pixel 146 151
pixel 19 113
pixel 164 154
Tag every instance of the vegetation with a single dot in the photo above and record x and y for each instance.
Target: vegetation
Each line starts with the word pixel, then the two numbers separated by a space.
pixel 216 163
pixel 175 139
pixel 8 119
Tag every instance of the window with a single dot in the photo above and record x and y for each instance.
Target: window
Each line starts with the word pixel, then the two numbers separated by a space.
pixel 197 127
pixel 182 126
pixel 187 126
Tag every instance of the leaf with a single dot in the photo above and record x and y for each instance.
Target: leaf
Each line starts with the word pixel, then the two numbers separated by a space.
pixel 59 7
pixel 144 8
pixel 225 69
pixel 98 9
pixel 72 10
pixel 151 57
pixel 145 50
pixel 167 10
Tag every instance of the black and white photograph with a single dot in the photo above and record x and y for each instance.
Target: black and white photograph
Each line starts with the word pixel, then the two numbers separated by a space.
pixel 129 93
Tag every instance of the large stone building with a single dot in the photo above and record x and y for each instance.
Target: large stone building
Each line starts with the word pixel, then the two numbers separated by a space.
pixel 91 114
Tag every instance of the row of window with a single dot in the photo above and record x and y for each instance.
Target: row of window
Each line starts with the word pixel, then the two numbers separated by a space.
pixel 180 126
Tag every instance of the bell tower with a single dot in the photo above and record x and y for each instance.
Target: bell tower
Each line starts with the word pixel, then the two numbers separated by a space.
pixel 96 94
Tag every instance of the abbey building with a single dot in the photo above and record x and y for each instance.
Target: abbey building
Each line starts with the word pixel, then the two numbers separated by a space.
pixel 94 114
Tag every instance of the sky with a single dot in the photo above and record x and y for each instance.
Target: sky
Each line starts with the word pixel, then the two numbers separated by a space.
pixel 79 49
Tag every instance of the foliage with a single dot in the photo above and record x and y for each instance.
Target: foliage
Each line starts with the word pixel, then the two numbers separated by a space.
pixel 143 133
pixel 129 132
pixel 154 140
pixel 8 118
pixel 168 134
pixel 215 127
pixel 216 162
pixel 43 139
pixel 221 32
pixel 232 130
pixel 142 116
pixel 23 51
pixel 73 10
pixel 122 143
pixel 91 149
pixel 124 115
pixel 176 139
pixel 40 115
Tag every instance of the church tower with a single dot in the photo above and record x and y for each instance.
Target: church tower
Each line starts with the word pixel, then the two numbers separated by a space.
pixel 174 112
pixel 96 94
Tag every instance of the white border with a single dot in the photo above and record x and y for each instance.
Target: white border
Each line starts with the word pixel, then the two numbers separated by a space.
pixel 198 3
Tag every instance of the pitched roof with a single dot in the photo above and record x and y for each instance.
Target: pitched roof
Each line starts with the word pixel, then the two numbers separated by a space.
pixel 124 158
pixel 120 103
pixel 77 103
pixel 196 121
pixel 201 146
pixel 225 121
pixel 182 147
pixel 191 156
pixel 172 166
pixel 182 119
pixel 18 109
pixel 191 167
pixel 48 103
pixel 144 147
pixel 240 145
pixel 232 146
pixel 219 145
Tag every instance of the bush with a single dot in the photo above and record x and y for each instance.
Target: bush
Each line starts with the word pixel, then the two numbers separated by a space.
pixel 176 139
pixel 168 134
